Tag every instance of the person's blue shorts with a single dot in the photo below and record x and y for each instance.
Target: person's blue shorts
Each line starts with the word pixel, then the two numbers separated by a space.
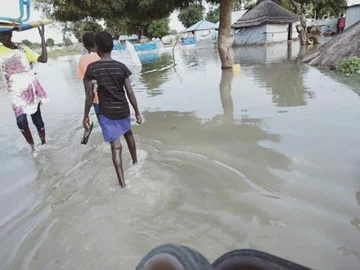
pixel 96 108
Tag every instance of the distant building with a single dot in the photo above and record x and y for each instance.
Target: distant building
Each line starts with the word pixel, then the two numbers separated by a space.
pixel 352 15
pixel 235 16
pixel 203 31
pixel 132 39
pixel 266 23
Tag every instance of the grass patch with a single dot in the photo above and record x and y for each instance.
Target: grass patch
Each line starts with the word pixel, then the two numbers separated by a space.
pixel 57 53
pixel 349 66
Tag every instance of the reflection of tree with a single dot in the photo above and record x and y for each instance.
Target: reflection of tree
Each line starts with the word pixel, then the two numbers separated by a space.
pixel 286 83
pixel 236 145
pixel 154 74
pixel 356 221
pixel 192 58
pixel 225 96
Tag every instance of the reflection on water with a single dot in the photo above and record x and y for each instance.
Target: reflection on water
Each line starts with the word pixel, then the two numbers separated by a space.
pixel 221 167
pixel 225 96
pixel 286 83
pixel 154 72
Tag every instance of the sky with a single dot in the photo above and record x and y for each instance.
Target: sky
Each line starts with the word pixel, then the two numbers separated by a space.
pixel 54 31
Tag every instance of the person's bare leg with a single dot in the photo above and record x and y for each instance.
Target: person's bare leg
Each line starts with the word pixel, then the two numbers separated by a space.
pixel 116 149
pixel 29 139
pixel 129 137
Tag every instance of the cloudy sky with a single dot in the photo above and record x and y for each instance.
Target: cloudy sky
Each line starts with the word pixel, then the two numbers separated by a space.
pixel 54 31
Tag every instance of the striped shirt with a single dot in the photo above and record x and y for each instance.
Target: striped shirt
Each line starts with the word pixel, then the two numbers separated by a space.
pixel 110 76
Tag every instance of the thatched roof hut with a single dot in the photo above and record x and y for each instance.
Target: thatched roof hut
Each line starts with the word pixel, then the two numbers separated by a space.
pixel 266 23
pixel 267 12
pixel 345 45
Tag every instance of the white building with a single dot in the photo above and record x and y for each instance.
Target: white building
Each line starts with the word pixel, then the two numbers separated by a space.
pixel 203 31
pixel 266 23
pixel 352 15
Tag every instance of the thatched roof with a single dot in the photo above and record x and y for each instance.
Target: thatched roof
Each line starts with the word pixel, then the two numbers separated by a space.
pixel 342 46
pixel 266 12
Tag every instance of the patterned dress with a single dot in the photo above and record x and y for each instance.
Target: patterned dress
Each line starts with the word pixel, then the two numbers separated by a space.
pixel 24 88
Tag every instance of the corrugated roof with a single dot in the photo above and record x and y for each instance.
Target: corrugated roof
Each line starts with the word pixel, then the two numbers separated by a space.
pixel 266 12
pixel 201 25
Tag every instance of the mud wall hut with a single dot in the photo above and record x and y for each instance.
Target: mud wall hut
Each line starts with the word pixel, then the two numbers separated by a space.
pixel 266 23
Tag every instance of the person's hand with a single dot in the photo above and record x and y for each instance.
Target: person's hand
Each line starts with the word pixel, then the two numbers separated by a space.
pixel 42 31
pixel 139 119
pixel 86 122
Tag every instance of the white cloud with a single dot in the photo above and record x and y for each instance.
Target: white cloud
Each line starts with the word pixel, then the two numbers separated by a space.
pixel 353 2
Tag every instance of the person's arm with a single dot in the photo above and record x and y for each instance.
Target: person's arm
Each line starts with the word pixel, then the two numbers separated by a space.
pixel 80 72
pixel 89 96
pixel 132 98
pixel 43 58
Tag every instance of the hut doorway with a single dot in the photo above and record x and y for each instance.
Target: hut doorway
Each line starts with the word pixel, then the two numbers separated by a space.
pixel 290 31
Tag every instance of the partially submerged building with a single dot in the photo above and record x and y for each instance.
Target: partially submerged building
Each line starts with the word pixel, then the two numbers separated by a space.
pixel 203 31
pixel 352 15
pixel 266 23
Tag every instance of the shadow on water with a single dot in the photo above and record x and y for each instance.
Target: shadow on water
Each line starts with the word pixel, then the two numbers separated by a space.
pixel 275 68
pixel 220 138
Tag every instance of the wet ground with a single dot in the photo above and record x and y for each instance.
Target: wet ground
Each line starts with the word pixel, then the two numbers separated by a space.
pixel 267 159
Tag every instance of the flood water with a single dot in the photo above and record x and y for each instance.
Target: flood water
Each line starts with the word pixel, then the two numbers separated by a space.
pixel 267 159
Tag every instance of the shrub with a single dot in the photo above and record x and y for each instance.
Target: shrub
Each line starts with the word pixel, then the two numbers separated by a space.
pixel 349 65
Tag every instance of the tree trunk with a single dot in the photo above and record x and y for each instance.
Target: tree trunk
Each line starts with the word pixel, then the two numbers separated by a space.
pixel 225 49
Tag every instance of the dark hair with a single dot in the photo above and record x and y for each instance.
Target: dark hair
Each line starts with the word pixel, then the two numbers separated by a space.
pixel 89 39
pixel 104 42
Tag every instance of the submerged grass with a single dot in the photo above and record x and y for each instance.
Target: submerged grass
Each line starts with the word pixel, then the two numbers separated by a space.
pixel 57 53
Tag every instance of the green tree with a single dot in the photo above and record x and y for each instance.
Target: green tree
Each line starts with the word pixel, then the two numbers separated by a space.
pixel 67 42
pixel 237 4
pixel 27 43
pixel 173 32
pixel 79 28
pixel 249 4
pixel 320 7
pixel 138 11
pixel 117 27
pixel 36 45
pixel 191 14
pixel 158 28
pixel 213 15
pixel 50 42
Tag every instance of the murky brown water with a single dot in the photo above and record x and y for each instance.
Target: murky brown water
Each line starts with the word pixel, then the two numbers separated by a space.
pixel 267 159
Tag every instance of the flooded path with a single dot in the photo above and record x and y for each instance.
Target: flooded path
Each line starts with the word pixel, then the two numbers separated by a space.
pixel 267 159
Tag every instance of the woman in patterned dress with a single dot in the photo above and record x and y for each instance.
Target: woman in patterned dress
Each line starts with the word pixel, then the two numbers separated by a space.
pixel 25 90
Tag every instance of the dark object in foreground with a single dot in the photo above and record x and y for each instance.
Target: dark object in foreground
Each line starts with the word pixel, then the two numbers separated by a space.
pixel 87 133
pixel 177 257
